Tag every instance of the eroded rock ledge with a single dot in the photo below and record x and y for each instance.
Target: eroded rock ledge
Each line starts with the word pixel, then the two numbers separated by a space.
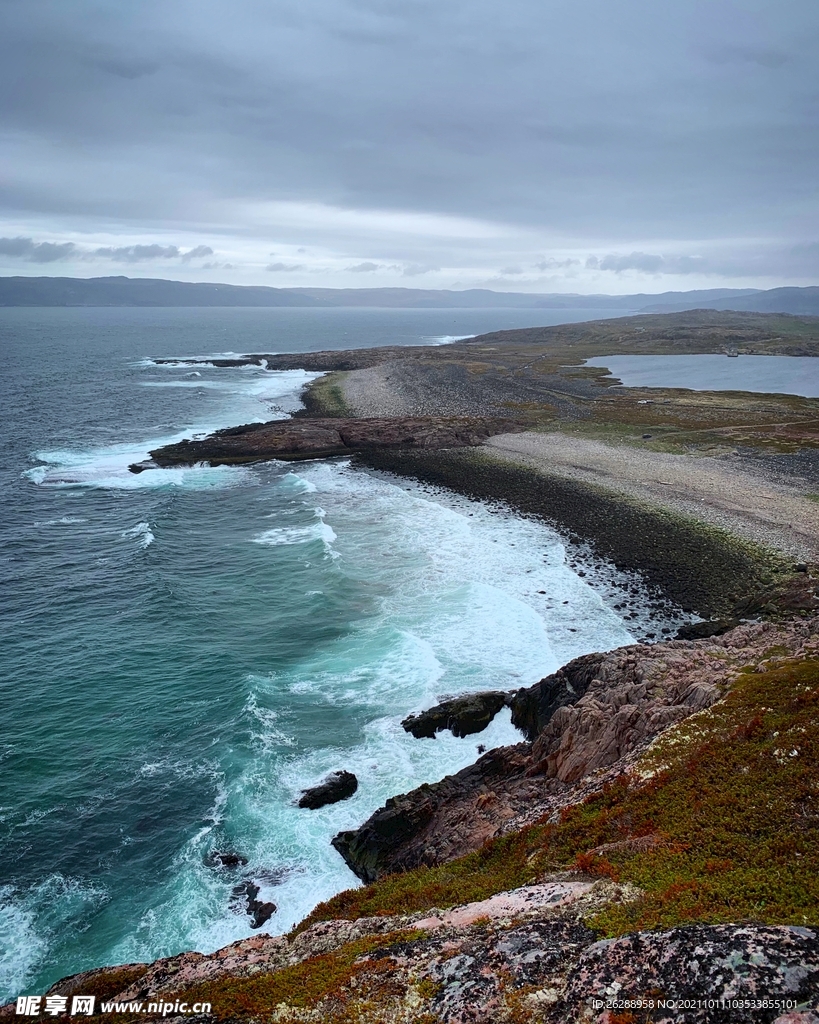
pixel 585 725
pixel 313 438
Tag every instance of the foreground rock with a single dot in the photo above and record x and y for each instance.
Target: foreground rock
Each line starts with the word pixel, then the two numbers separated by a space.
pixel 523 955
pixel 585 725
pixel 338 786
pixel 310 438
pixel 463 716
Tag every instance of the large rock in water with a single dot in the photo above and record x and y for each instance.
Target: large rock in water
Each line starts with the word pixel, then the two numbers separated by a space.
pixel 463 716
pixel 338 786
pixel 311 438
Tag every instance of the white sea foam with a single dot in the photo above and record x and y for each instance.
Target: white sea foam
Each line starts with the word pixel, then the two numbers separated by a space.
pixel 264 396
pixel 467 599
pixel 447 339
pixel 296 483
pixel 30 922
pixel 22 947
pixel 142 533
pixel 63 521
pixel 297 535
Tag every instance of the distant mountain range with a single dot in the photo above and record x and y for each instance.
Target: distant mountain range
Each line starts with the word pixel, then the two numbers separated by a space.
pixel 126 291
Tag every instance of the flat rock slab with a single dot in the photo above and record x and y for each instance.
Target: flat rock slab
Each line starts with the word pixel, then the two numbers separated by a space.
pixel 514 903
pixel 312 438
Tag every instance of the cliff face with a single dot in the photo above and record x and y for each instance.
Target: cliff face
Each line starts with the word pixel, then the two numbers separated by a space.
pixel 586 724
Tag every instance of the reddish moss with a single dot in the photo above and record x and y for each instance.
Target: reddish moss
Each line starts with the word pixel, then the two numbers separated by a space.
pixel 733 810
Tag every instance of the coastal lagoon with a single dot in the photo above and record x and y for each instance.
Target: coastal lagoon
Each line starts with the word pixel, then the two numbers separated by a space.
pixel 787 375
pixel 185 650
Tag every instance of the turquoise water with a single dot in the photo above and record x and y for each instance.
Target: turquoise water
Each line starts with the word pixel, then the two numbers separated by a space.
pixel 185 650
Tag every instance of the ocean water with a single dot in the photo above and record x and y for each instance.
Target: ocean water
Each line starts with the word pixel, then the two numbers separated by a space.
pixel 184 650
pixel 786 375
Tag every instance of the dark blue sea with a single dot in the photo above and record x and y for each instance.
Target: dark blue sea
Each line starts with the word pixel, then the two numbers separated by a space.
pixel 184 650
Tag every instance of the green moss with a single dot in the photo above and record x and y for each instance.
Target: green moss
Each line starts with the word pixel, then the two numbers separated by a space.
pixel 325 396
pixel 731 814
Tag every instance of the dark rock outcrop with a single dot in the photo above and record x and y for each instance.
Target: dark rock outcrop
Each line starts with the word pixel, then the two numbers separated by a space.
pixel 533 707
pixel 405 831
pixel 463 716
pixel 257 910
pixel 587 722
pixel 312 438
pixel 338 786
pixel 225 859
pixel 702 630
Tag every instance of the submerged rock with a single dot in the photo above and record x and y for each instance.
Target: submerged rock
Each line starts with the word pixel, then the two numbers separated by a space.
pixel 225 859
pixel 338 786
pixel 704 630
pixel 463 716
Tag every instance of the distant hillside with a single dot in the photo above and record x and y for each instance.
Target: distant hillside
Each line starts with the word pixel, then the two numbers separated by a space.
pixel 125 291
pixel 129 291
pixel 804 301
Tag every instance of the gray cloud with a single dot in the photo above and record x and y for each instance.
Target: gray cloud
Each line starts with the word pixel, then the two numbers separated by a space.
pixel 365 268
pixel 554 264
pixel 414 269
pixel 49 252
pixel 622 128
pixel 649 263
pixel 284 267
pixel 137 253
pixel 36 252
pixel 196 253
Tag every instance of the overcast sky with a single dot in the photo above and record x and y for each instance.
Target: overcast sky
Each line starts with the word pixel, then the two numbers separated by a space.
pixel 529 145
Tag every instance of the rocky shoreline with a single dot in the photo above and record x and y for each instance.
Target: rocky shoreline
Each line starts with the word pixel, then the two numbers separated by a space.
pixel 585 725
pixel 321 438
pixel 483 923
pixel 649 851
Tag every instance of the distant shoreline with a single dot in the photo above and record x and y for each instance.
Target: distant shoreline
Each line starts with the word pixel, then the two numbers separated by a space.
pixel 125 291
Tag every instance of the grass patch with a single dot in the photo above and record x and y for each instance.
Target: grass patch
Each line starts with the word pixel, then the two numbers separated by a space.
pixel 318 980
pixel 325 396
pixel 729 825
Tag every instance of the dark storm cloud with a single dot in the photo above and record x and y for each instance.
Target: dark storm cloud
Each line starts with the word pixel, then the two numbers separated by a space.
pixel 623 125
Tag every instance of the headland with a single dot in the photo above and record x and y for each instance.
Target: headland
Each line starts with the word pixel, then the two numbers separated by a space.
pixel 652 840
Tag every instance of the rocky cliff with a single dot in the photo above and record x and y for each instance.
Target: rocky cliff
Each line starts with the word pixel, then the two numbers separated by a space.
pixel 585 725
